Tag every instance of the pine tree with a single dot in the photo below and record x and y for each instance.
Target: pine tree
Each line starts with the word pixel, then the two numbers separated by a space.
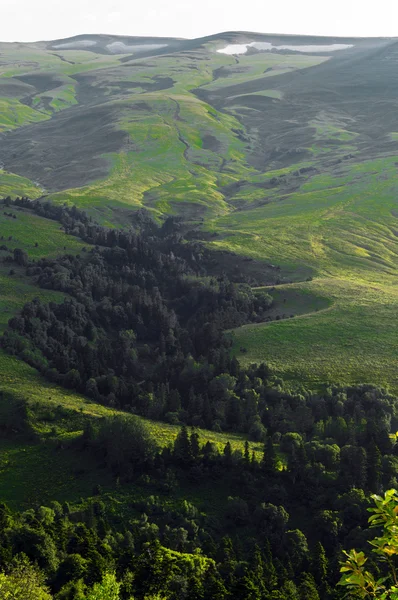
pixel 374 468
pixel 182 447
pixel 307 588
pixel 207 412
pixel 290 591
pixel 268 463
pixel 246 588
pixel 246 456
pixel 257 572
pixel 228 562
pixel 270 576
pixel 213 585
pixel 195 446
pixel 320 569
pixel 228 454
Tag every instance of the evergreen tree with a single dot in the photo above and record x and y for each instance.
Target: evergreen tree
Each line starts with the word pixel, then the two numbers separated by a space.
pixel 213 585
pixel 195 446
pixel 307 588
pixel 320 570
pixel 269 462
pixel 228 454
pixel 270 572
pixel 290 591
pixel 228 563
pixel 257 572
pixel 374 470
pixel 246 588
pixel 253 460
pixel 246 455
pixel 182 447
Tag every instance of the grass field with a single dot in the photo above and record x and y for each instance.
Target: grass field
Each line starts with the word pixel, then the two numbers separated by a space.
pixel 13 114
pixel 252 67
pixel 167 162
pixel 344 228
pixel 13 185
pixel 295 300
pixel 353 341
pixel 27 229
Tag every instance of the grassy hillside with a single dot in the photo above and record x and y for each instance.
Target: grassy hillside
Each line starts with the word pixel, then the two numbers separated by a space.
pixel 38 237
pixel 288 156
pixel 343 228
pixel 354 340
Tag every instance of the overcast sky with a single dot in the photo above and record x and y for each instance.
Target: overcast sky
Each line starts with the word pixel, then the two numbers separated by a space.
pixel 31 20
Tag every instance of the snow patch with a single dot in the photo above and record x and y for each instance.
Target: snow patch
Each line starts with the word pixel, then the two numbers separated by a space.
pixel 77 45
pixel 121 48
pixel 242 48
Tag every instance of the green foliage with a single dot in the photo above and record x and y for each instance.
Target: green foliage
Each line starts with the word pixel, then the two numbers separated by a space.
pixel 23 582
pixel 108 589
pixel 356 578
pixel 307 588
pixel 135 443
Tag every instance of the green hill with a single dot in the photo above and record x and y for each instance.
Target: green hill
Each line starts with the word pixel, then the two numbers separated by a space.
pixel 284 151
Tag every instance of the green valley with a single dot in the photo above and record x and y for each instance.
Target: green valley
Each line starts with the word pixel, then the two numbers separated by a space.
pixel 198 316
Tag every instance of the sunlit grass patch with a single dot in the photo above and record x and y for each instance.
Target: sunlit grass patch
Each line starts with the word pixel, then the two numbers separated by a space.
pixel 13 114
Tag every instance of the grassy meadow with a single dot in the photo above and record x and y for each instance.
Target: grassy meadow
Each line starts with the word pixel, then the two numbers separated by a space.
pixel 24 232
pixel 342 228
pixel 14 185
pixel 29 229
pixel 275 172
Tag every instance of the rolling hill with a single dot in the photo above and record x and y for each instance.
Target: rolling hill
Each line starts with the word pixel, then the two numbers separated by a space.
pixel 283 148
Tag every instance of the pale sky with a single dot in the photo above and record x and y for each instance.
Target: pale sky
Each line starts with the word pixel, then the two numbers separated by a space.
pixel 33 20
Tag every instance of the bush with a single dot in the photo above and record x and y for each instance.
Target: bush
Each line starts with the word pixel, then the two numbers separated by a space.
pixel 125 440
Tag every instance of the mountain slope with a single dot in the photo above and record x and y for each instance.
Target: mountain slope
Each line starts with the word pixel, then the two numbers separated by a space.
pixel 285 146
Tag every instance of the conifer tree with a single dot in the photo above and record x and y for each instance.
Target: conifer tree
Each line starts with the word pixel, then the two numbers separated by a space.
pixel 213 585
pixel 320 569
pixel 257 571
pixel 246 588
pixel 270 576
pixel 228 454
pixel 182 447
pixel 268 463
pixel 195 446
pixel 374 468
pixel 307 588
pixel 246 456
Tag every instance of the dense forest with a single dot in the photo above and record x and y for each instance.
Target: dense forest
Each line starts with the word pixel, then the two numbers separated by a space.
pixel 142 329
